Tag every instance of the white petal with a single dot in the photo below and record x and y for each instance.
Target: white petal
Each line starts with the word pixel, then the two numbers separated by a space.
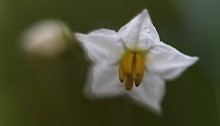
pixel 139 31
pixel 150 92
pixel 101 45
pixel 168 62
pixel 103 81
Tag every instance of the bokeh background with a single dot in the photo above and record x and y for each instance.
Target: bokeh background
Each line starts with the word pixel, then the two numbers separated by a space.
pixel 36 92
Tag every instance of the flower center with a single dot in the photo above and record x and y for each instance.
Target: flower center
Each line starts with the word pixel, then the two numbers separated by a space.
pixel 131 69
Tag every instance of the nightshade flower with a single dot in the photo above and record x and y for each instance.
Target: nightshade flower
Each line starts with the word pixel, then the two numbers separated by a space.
pixel 132 56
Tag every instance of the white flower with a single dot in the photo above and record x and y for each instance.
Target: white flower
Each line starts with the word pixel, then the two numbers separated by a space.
pixel 47 38
pixel 133 55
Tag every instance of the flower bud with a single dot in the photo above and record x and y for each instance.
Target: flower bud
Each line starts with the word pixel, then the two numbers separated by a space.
pixel 47 38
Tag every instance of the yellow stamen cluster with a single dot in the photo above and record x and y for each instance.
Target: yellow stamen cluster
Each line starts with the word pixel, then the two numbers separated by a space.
pixel 131 69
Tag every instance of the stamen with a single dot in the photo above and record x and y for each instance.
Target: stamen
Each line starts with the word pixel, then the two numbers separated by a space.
pixel 122 72
pixel 139 69
pixel 128 67
pixel 129 82
pixel 128 63
pixel 131 69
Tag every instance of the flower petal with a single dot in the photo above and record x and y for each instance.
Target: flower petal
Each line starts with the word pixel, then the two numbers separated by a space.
pixel 139 31
pixel 168 62
pixel 150 92
pixel 101 45
pixel 103 81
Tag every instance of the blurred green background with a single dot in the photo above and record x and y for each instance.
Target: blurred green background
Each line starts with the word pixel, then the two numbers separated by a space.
pixel 36 93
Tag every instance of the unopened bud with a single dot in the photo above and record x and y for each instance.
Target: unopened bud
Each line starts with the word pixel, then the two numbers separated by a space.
pixel 48 38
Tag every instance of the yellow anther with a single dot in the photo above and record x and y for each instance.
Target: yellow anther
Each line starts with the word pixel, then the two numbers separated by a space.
pixel 131 69
pixel 128 67
pixel 139 69
pixel 121 72
pixel 129 82
pixel 128 63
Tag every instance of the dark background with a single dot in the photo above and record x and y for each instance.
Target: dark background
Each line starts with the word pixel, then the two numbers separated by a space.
pixel 49 93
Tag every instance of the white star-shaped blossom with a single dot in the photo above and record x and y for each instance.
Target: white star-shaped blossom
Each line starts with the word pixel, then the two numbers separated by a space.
pixel 132 56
